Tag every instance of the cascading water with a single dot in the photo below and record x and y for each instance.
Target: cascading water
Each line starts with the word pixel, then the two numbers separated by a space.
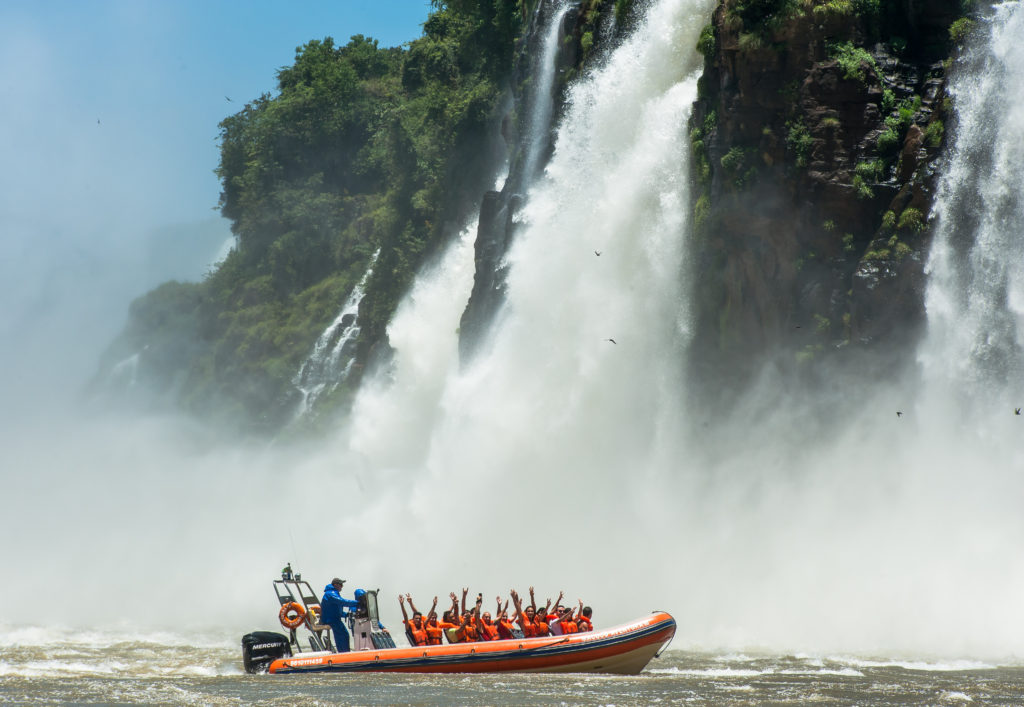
pixel 975 297
pixel 579 383
pixel 424 334
pixel 329 363
pixel 565 441
pixel 543 99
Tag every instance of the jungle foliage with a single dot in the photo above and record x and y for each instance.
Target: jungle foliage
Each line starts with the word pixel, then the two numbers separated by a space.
pixel 361 150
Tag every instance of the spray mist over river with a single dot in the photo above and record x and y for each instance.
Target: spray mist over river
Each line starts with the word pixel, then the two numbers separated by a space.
pixel 561 459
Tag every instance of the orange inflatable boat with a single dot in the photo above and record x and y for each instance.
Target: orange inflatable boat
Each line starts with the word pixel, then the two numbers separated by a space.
pixel 623 650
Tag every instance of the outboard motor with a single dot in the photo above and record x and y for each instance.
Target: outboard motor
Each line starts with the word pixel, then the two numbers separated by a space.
pixel 261 648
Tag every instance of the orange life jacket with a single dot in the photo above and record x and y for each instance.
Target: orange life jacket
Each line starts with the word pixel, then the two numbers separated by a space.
pixel 529 628
pixel 569 626
pixel 447 629
pixel 490 632
pixel 419 636
pixel 540 628
pixel 470 632
pixel 584 624
pixel 434 634
pixel 504 629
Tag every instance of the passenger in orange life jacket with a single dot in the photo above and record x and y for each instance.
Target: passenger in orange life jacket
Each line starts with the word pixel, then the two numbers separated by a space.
pixel 469 628
pixel 492 628
pixel 476 625
pixel 414 629
pixel 502 623
pixel 542 628
pixel 434 631
pixel 540 624
pixel 506 628
pixel 567 625
pixel 450 620
pixel 488 629
pixel 445 628
pixel 525 617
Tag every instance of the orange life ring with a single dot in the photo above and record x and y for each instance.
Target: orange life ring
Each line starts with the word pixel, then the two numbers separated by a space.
pixel 287 619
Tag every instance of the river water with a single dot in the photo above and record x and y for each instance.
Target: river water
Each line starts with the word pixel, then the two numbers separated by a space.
pixel 106 668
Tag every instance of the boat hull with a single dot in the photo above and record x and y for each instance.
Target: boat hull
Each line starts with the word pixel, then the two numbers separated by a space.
pixel 623 650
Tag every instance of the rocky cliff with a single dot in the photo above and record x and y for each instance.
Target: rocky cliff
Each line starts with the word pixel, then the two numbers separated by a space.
pixel 815 138
pixel 815 144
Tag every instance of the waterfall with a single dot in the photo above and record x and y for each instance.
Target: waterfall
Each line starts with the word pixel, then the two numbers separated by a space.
pixel 391 407
pixel 579 382
pixel 561 451
pixel 975 295
pixel 125 373
pixel 542 96
pixel 330 361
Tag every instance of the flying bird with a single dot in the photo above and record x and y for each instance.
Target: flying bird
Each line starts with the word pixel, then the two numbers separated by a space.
pixel 612 340
pixel 228 99
pixel 1016 411
pixel 899 414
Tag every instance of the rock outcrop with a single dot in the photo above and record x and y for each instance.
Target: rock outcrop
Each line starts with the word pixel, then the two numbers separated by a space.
pixel 814 141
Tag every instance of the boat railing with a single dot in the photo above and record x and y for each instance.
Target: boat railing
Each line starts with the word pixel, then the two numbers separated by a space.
pixel 299 591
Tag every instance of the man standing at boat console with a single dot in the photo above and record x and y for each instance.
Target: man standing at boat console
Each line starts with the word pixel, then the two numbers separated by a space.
pixel 333 612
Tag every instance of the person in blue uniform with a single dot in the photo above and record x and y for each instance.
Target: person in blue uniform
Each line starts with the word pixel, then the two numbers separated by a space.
pixel 334 608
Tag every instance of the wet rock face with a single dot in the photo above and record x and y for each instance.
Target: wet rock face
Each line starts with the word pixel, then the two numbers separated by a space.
pixel 494 231
pixel 813 133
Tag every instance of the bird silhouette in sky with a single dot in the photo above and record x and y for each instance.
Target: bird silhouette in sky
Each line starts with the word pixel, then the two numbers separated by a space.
pixel 899 414
pixel 597 253
pixel 228 99
pixel 1016 411
pixel 613 341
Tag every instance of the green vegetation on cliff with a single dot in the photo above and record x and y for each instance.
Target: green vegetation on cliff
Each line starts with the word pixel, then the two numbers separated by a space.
pixel 362 150
pixel 814 140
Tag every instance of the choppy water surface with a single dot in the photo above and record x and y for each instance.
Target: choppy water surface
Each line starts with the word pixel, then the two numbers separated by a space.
pixel 98 668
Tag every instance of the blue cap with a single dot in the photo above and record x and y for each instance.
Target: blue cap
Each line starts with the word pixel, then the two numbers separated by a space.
pixel 360 592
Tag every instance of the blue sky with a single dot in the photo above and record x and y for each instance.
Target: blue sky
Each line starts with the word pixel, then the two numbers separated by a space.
pixel 108 131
